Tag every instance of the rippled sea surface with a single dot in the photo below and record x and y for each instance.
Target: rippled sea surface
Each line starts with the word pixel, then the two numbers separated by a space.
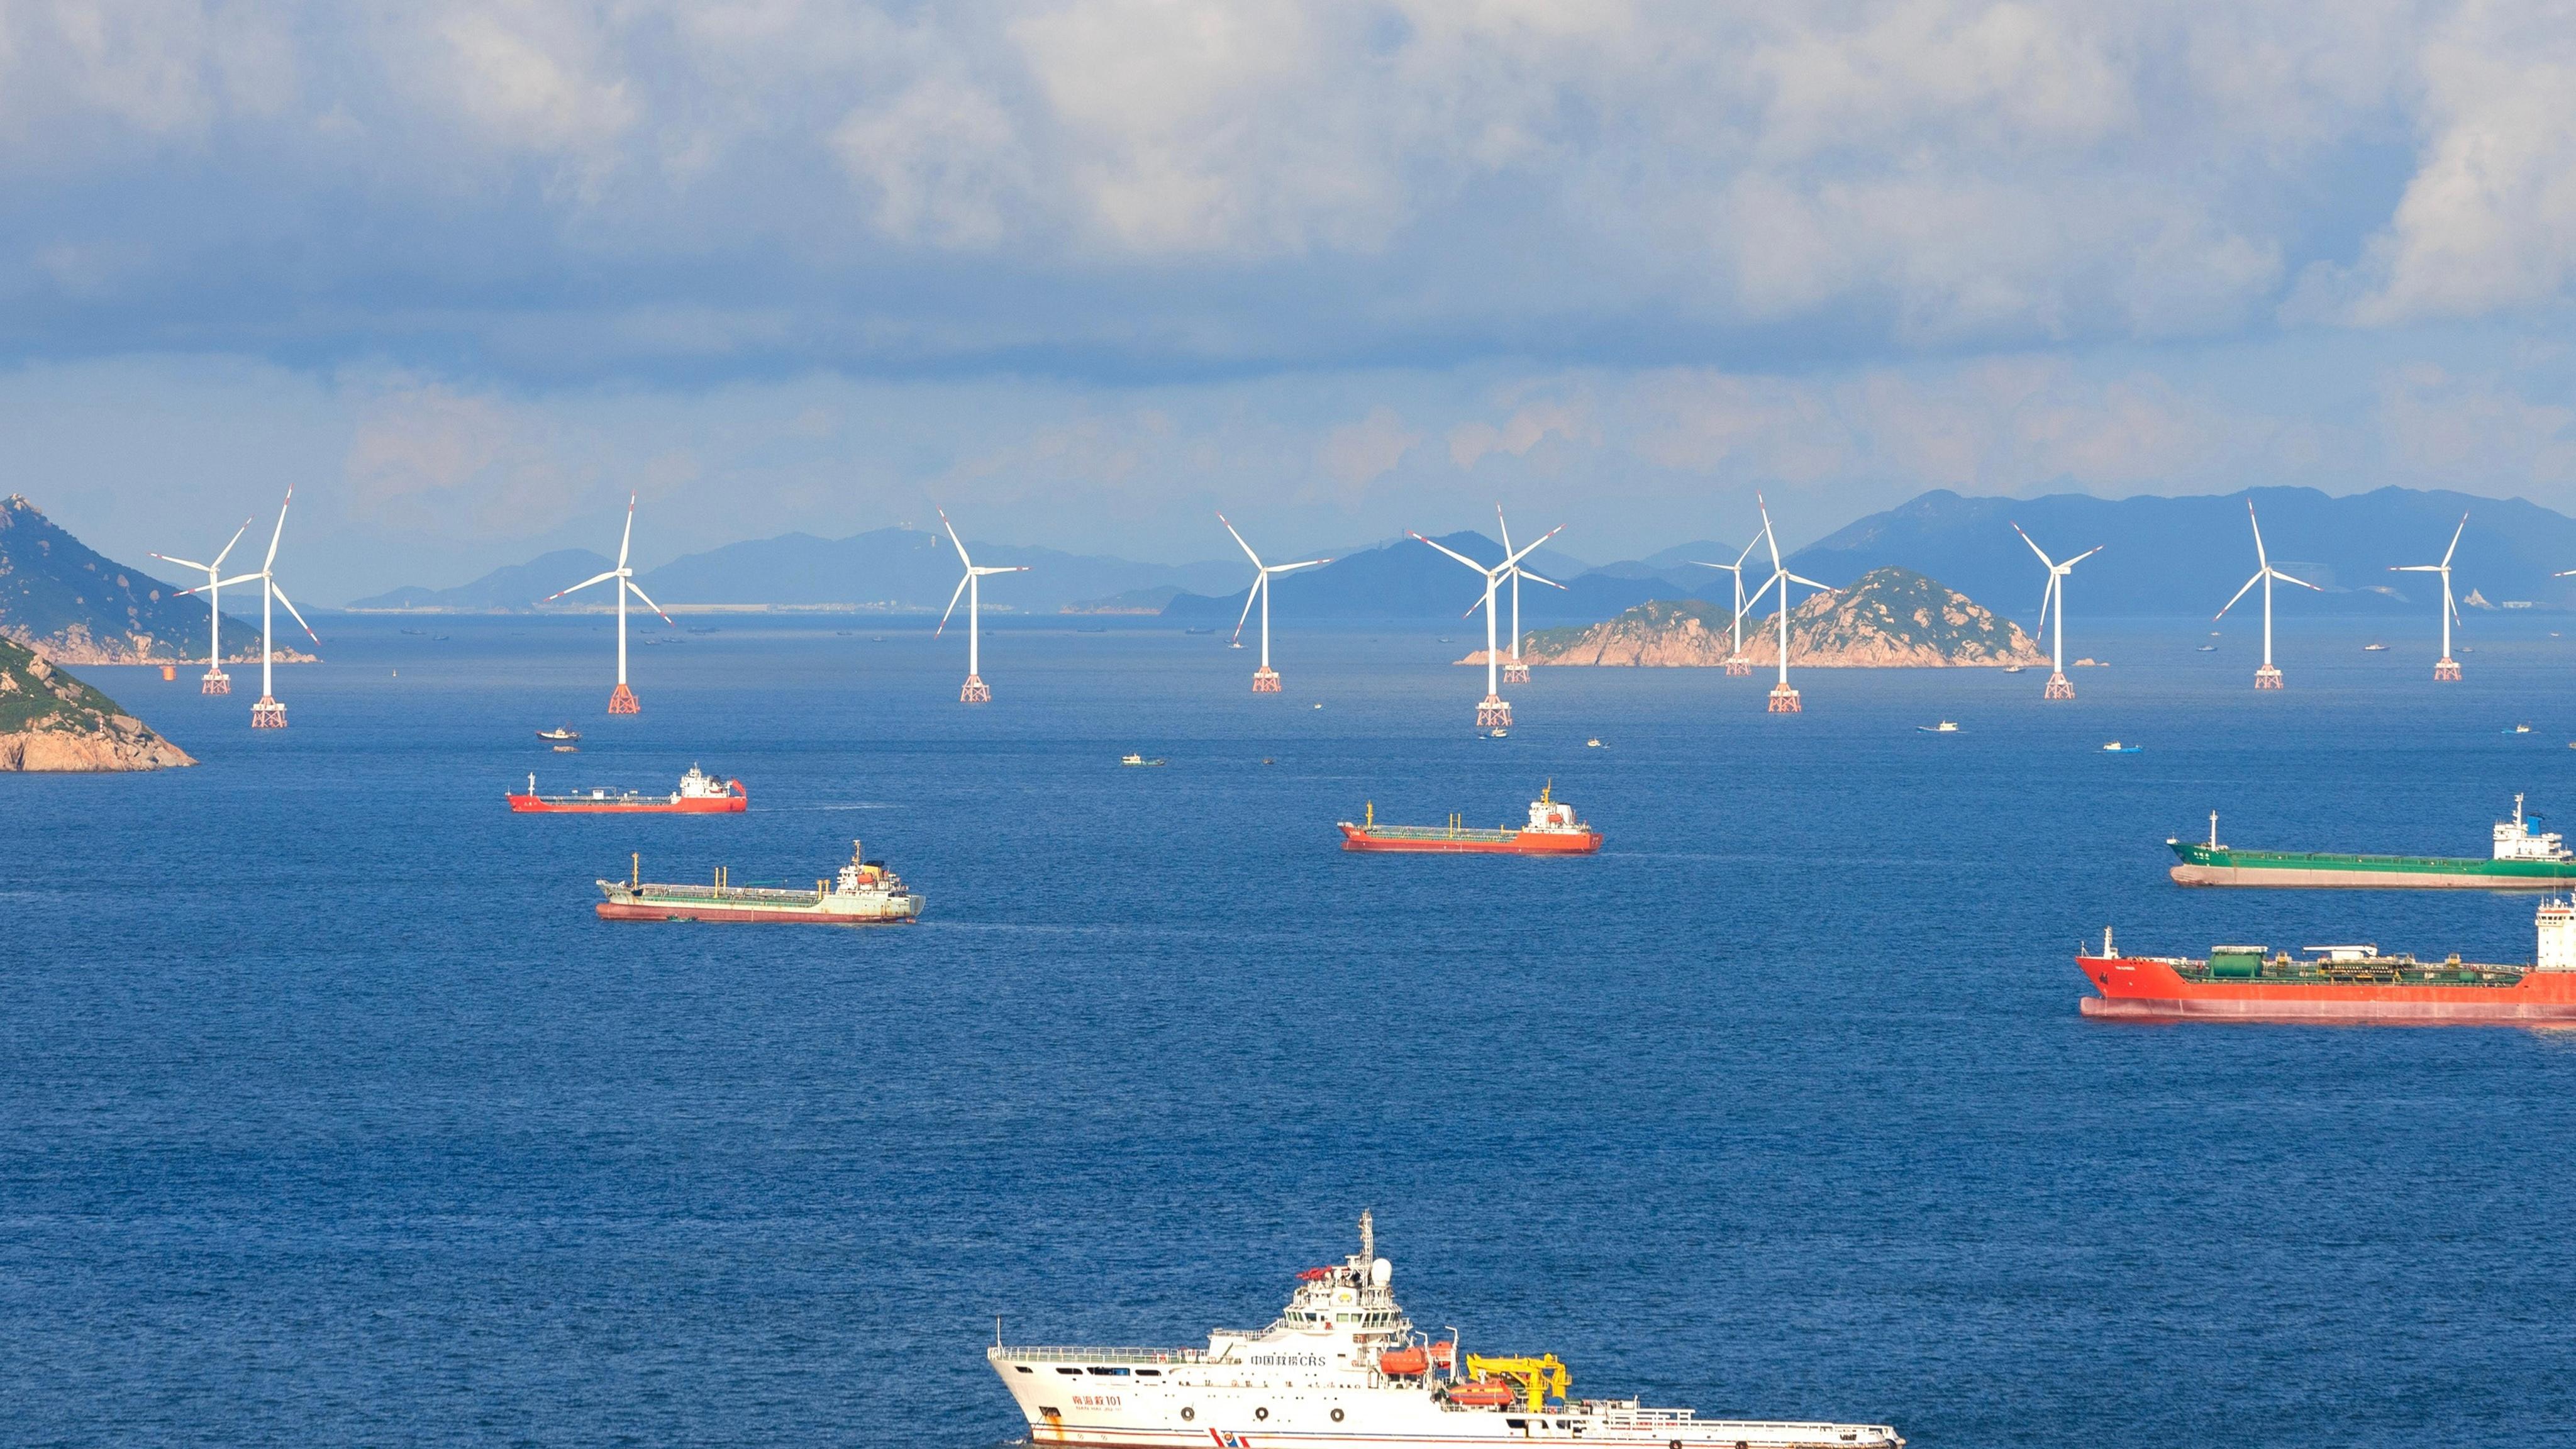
pixel 329 1114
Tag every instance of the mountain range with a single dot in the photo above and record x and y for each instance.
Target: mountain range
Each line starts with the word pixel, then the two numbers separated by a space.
pixel 2177 556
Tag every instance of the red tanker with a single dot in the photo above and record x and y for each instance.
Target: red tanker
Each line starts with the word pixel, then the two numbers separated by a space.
pixel 1552 830
pixel 699 794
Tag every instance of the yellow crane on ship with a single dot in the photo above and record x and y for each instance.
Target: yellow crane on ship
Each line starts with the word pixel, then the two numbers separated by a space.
pixel 1538 1377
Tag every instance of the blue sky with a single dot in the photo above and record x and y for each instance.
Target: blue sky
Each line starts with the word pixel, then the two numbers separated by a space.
pixel 1085 271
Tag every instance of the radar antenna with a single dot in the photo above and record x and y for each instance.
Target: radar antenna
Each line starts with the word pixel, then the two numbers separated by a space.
pixel 1368 1237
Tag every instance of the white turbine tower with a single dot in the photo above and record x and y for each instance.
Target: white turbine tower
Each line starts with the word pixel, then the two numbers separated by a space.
pixel 268 714
pixel 972 587
pixel 2054 597
pixel 2266 677
pixel 1514 671
pixel 1265 680
pixel 1492 712
pixel 621 700
pixel 2445 667
pixel 216 681
pixel 1736 663
pixel 1784 700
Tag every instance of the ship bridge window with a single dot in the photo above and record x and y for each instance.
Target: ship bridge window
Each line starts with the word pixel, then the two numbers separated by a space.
pixel 1023 1368
pixel 1077 1373
pixel 1104 1372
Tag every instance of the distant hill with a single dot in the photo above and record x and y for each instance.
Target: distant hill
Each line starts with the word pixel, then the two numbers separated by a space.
pixel 501 591
pixel 2181 556
pixel 77 606
pixel 1404 579
pixel 1890 618
pixel 51 721
pixel 894 570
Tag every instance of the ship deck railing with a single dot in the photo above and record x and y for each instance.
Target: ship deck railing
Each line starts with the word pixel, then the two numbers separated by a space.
pixel 650 891
pixel 1438 832
pixel 1102 1355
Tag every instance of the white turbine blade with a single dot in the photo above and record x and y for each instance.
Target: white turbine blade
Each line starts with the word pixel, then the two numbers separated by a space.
pixel 952 602
pixel 2079 558
pixel 1292 568
pixel 2302 583
pixel 1511 559
pixel 2034 548
pixel 1005 569
pixel 1748 553
pixel 228 548
pixel 1251 596
pixel 629 536
pixel 2259 558
pixel 1754 598
pixel 2562 573
pixel 279 531
pixel 189 562
pixel 1453 553
pixel 290 609
pixel 218 584
pixel 1536 579
pixel 1472 608
pixel 1810 583
pixel 959 542
pixel 2449 604
pixel 637 591
pixel 2455 540
pixel 2414 568
pixel 2240 593
pixel 1505 527
pixel 577 588
pixel 1736 568
pixel 1239 543
pixel 1768 536
pixel 2047 591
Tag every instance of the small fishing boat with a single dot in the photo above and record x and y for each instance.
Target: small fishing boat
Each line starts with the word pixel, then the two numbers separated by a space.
pixel 2520 729
pixel 1140 760
pixel 2208 648
pixel 1500 733
pixel 2117 748
pixel 1592 744
pixel 2012 669
pixel 560 734
pixel 1945 727
pixel 2374 647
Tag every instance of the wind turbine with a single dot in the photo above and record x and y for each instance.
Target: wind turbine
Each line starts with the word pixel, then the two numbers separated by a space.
pixel 972 587
pixel 1492 712
pixel 1514 671
pixel 2266 677
pixel 268 714
pixel 1784 700
pixel 2445 667
pixel 621 700
pixel 216 681
pixel 2055 595
pixel 1265 680
pixel 1736 663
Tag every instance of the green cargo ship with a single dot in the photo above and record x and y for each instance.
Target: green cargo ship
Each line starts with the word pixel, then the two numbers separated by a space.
pixel 2525 858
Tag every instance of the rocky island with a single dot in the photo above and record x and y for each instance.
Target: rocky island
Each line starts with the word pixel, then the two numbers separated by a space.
pixel 1891 618
pixel 51 721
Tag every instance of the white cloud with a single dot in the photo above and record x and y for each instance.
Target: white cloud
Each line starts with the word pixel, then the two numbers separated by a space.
pixel 1355 455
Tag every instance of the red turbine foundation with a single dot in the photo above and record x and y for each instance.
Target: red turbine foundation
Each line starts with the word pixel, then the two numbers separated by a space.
pixel 268 714
pixel 1784 700
pixel 215 682
pixel 974 691
pixel 1737 666
pixel 1493 713
pixel 1515 672
pixel 1265 680
pixel 2058 687
pixel 2267 677
pixel 622 700
pixel 2446 668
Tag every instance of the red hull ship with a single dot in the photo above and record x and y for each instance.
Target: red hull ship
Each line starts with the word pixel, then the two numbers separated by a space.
pixel 699 794
pixel 1552 830
pixel 2351 984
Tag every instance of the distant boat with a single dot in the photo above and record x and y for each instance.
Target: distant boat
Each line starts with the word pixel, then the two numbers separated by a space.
pixel 559 733
pixel 1592 744
pixel 1945 727
pixel 1198 631
pixel 2012 669
pixel 1140 760
pixel 1498 734
pixel 2520 729
pixel 2117 748
pixel 2374 647
pixel 2208 648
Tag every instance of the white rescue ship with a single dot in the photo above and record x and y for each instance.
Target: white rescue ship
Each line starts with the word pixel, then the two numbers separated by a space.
pixel 1343 1368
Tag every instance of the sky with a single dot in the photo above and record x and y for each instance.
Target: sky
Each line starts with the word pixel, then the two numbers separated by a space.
pixel 1085 272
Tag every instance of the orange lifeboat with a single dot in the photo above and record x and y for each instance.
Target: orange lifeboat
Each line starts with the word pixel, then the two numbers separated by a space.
pixel 1404 1362
pixel 1483 1394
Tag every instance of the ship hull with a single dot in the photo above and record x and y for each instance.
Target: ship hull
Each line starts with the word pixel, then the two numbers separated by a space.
pixel 2200 865
pixel 2144 989
pixel 1519 842
pixel 574 805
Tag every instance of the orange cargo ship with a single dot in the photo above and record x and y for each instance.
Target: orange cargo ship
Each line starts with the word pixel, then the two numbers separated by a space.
pixel 2340 984
pixel 1552 830
pixel 699 794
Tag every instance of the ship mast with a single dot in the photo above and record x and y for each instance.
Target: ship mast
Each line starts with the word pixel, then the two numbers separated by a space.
pixel 1368 1238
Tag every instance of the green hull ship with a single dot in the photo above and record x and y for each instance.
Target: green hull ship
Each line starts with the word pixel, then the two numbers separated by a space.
pixel 2525 858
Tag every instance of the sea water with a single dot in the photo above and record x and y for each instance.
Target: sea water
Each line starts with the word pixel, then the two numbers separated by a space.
pixel 330 1114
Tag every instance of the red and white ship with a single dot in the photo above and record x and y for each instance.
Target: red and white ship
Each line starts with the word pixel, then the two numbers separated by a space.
pixel 1343 1368
pixel 2341 984
pixel 1552 830
pixel 699 794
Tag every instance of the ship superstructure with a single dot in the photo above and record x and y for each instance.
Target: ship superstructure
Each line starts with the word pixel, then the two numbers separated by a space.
pixel 1344 1366
pixel 2524 857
